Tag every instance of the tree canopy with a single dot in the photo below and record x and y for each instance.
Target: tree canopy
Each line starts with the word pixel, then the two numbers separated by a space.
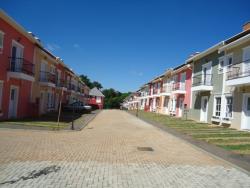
pixel 89 83
pixel 112 99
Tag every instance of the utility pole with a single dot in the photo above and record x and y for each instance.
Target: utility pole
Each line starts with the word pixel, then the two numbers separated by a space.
pixel 59 110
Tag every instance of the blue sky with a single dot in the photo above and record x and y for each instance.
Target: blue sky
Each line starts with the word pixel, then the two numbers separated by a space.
pixel 125 43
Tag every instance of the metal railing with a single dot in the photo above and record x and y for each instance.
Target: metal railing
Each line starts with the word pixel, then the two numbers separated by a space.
pixel 47 77
pixel 167 88
pixel 21 65
pixel 179 86
pixel 238 70
pixel 60 83
pixel 71 87
pixel 202 79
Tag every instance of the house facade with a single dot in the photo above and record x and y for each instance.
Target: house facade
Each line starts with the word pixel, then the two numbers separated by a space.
pixel 16 69
pixel 155 90
pixel 96 98
pixel 32 79
pixel 181 89
pixel 236 107
pixel 206 84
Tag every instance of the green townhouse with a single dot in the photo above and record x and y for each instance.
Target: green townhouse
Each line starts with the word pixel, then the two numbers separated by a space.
pixel 216 96
pixel 236 80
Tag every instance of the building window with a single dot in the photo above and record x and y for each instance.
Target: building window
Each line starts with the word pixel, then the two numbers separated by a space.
pixel 229 107
pixel 1 95
pixel 217 106
pixel 221 65
pixel 229 61
pixel 1 40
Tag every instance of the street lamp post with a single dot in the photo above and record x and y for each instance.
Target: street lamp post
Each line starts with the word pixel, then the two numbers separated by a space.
pixel 137 109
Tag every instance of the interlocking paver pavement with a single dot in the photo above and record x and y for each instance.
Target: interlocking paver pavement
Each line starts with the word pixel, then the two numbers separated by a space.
pixel 105 154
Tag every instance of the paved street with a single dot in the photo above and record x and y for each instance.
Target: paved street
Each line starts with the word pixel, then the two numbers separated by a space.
pixel 105 154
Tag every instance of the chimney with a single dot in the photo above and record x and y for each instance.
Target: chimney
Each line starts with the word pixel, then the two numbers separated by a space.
pixel 246 26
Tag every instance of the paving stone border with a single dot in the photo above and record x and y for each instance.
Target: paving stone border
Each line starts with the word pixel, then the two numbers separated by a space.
pixel 242 162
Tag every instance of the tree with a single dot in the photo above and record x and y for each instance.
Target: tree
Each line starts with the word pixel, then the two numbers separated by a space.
pixel 113 98
pixel 86 80
pixel 97 85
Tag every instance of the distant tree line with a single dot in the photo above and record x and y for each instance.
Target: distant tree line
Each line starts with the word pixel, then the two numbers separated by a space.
pixel 112 99
pixel 89 83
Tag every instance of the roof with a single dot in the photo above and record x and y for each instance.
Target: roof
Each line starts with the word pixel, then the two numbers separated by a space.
pixel 96 92
pixel 18 27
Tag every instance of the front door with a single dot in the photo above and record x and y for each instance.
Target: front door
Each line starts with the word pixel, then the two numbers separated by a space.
pixel 204 109
pixel 245 124
pixel 13 102
pixel 181 106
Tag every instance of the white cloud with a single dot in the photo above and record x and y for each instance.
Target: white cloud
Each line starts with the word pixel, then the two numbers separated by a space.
pixel 136 73
pixel 76 45
pixel 53 46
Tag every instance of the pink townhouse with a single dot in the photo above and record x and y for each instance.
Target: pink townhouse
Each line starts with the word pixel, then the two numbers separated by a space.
pixel 16 68
pixel 181 91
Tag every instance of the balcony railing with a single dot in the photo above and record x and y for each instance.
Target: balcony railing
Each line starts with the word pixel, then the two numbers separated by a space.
pixel 239 70
pixel 21 65
pixel 78 89
pixel 60 83
pixel 47 77
pixel 167 88
pixel 202 80
pixel 179 86
pixel 72 87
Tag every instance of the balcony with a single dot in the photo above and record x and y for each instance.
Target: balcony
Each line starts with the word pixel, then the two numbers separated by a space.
pixel 238 74
pixel 20 68
pixel 202 82
pixel 47 79
pixel 72 87
pixel 179 88
pixel 60 83
pixel 166 90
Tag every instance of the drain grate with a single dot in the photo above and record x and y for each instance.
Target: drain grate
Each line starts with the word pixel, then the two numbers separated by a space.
pixel 145 149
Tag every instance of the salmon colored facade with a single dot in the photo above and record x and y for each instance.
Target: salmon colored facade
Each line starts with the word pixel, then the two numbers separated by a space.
pixel 16 70
pixel 32 80
pixel 182 90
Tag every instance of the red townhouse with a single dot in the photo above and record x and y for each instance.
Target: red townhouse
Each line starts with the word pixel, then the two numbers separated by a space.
pixel 61 81
pixel 155 89
pixel 96 98
pixel 16 68
pixel 181 93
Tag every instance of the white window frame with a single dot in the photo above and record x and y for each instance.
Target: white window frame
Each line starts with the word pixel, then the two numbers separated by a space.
pixel 227 96
pixel 226 61
pixel 1 47
pixel 207 65
pixel 215 105
pixel 221 67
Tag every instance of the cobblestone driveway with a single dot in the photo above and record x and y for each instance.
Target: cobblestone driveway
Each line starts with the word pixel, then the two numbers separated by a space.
pixel 105 154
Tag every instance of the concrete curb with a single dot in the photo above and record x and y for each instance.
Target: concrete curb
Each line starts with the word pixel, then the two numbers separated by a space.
pixel 238 161
pixel 87 122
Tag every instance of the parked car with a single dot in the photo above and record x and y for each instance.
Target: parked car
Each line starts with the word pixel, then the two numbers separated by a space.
pixel 77 107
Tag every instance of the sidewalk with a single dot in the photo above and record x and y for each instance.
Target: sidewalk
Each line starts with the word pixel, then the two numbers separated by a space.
pixel 239 160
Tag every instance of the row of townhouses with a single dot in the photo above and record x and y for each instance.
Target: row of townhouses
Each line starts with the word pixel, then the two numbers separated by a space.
pixel 212 86
pixel 32 79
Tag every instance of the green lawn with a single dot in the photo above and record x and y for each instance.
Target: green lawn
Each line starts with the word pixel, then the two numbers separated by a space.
pixel 48 121
pixel 227 138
